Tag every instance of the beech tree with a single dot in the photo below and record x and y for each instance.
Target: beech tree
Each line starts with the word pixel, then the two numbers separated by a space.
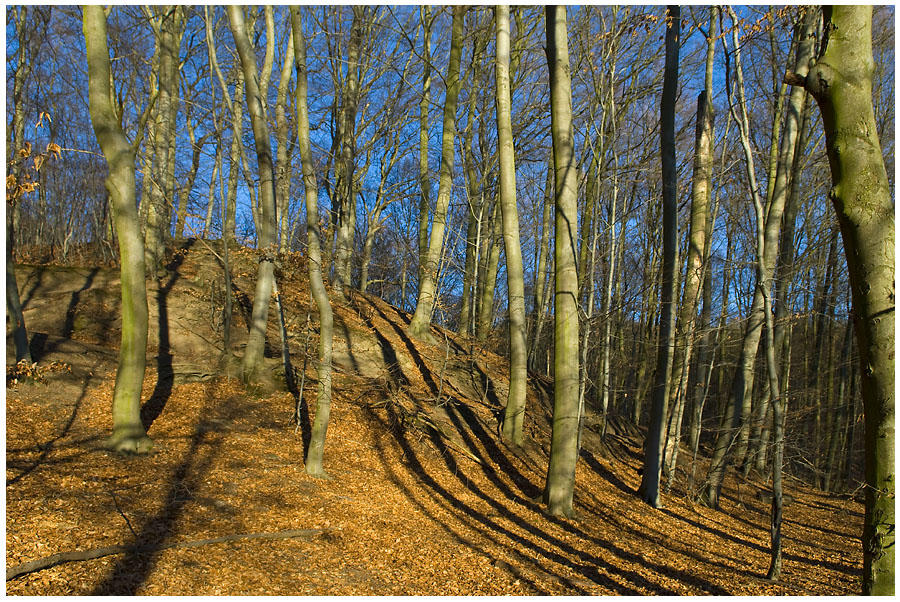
pixel 420 326
pixel 653 445
pixel 560 487
pixel 128 431
pixel 513 416
pixel 317 285
pixel 252 366
pixel 841 83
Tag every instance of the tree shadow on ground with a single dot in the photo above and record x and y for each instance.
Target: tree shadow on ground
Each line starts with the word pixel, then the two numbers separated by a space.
pixel 132 570
pixel 165 374
pixel 47 446
pixel 523 539
pixel 69 325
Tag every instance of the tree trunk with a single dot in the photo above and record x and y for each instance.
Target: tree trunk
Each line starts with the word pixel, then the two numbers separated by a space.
pixel 424 179
pixel 653 445
pixel 345 166
pixel 420 326
pixel 514 414
pixel 282 158
pixel 169 26
pixel 13 302
pixel 128 431
pixel 541 286
pixel 735 422
pixel 560 486
pixel 785 271
pixel 317 284
pixel 696 255
pixel 837 425
pixel 841 83
pixel 488 277
pixel 252 365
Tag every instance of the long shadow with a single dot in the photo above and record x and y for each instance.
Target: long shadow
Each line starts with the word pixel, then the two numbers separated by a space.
pixel 69 326
pixel 634 577
pixel 341 329
pixel 566 552
pixel 457 411
pixel 443 497
pixel 47 446
pixel 605 474
pixel 132 570
pixel 165 374
pixel 387 354
pixel 40 278
pixel 714 531
pixel 427 376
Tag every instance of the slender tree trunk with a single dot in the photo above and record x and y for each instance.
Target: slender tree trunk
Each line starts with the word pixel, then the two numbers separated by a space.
pixel 840 410
pixel 128 431
pixel 735 422
pixel 169 25
pixel 282 158
pixel 541 287
pixel 786 273
pixel 697 252
pixel 252 365
pixel 345 167
pixel 13 302
pixel 317 284
pixel 514 414
pixel 653 445
pixel 560 486
pixel 420 326
pixel 485 316
pixel 841 83
pixel 424 179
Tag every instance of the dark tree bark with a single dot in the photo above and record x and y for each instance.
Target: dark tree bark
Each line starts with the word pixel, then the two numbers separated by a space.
pixel 653 445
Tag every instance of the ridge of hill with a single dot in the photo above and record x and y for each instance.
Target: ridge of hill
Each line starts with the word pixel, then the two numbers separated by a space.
pixel 425 497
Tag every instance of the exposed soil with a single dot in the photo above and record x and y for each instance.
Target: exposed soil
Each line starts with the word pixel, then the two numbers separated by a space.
pixel 424 498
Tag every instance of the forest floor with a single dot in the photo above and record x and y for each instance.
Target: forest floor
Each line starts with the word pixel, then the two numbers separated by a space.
pixel 424 497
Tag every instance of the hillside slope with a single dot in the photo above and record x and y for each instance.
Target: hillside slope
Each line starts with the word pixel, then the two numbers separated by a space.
pixel 425 498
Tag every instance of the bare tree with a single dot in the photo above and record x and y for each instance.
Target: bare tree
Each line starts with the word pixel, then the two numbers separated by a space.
pixel 128 431
pixel 841 83
pixel 560 487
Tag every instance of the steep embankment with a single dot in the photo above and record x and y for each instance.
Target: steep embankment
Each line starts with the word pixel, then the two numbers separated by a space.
pixel 425 498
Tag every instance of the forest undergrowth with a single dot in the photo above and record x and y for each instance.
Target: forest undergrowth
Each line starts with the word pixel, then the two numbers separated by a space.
pixel 424 497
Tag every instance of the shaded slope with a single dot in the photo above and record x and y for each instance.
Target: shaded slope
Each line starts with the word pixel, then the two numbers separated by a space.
pixel 426 498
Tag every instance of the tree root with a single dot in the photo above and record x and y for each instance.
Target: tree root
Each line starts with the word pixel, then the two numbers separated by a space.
pixel 66 557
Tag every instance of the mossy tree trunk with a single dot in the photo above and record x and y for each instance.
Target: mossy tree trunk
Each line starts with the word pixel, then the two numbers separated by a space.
pixel 841 83
pixel 560 487
pixel 128 431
